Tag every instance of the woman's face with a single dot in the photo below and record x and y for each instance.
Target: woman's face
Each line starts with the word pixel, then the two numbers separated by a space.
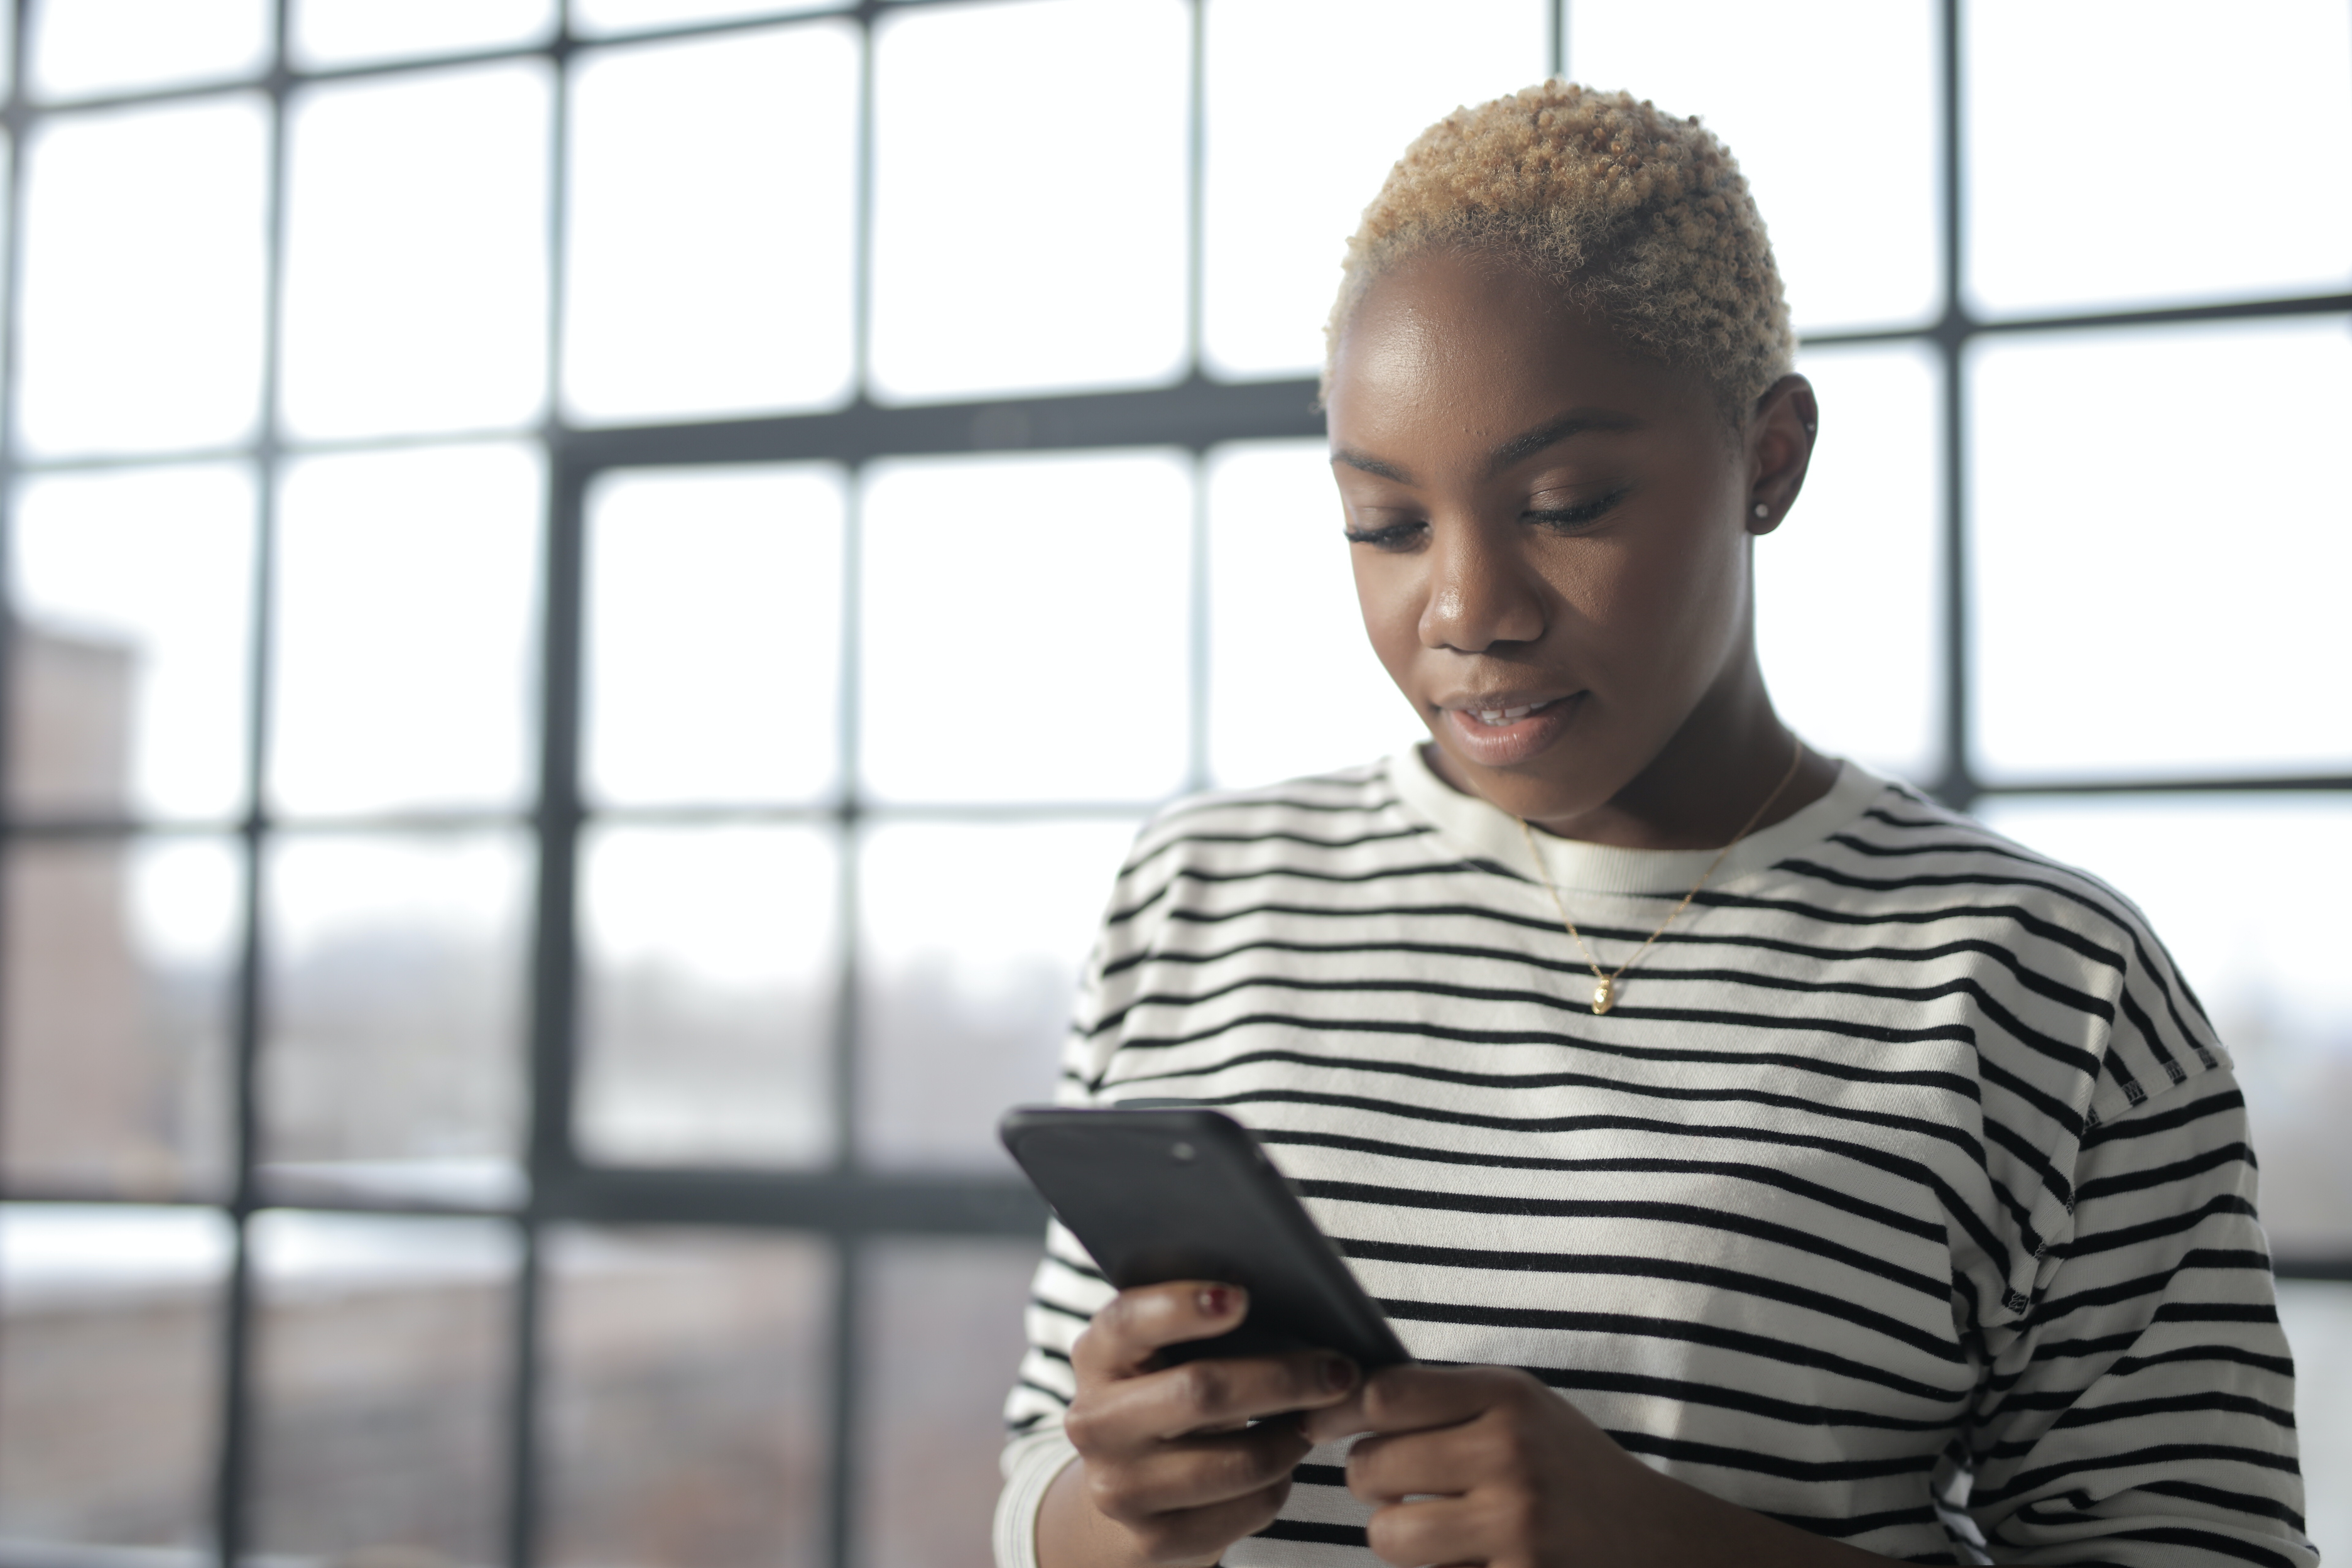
pixel 1550 536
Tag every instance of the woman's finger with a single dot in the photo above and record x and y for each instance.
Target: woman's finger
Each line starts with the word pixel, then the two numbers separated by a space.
pixel 1204 1533
pixel 1446 1462
pixel 1209 1396
pixel 1440 1530
pixel 1201 1472
pixel 1416 1398
pixel 1138 1323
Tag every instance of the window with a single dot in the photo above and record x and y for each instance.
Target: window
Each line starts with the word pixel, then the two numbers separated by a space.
pixel 572 699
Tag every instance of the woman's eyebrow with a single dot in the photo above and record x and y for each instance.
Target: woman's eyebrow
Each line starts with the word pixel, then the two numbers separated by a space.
pixel 1369 464
pixel 1576 422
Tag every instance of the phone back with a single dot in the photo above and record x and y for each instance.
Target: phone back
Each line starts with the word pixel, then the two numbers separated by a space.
pixel 1187 1194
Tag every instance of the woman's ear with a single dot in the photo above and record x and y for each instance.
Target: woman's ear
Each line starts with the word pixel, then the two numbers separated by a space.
pixel 1781 435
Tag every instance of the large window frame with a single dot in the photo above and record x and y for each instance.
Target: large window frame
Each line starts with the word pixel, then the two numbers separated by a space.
pixel 848 1206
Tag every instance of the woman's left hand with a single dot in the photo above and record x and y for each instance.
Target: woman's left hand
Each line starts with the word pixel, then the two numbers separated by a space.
pixel 1500 1470
pixel 1484 1465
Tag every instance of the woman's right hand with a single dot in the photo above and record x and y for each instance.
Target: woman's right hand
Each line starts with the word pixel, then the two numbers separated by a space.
pixel 1170 1471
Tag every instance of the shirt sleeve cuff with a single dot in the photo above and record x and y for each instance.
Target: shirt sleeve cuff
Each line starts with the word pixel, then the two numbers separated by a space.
pixel 1030 1463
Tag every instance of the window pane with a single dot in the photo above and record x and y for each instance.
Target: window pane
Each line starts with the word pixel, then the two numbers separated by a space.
pixel 383 1385
pixel 404 666
pixel 1849 597
pixel 144 234
pixel 710 957
pixel 1022 630
pixel 1029 225
pixel 940 1340
pixel 133 592
pixel 2159 550
pixel 689 1378
pixel 972 939
pixel 1780 84
pixel 120 956
pixel 2318 1321
pixel 416 253
pixel 1308 104
pixel 714 635
pixel 354 32
pixel 394 1063
pixel 712 212
pixel 84 47
pixel 2244 891
pixel 110 1377
pixel 1282 597
pixel 2068 203
pixel 594 17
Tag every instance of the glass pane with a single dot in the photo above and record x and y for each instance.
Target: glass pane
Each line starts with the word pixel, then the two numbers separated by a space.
pixel 416 253
pixel 972 936
pixel 713 213
pixel 1779 84
pixel 1282 597
pixel 1029 225
pixel 688 1381
pixel 2069 205
pixel 1848 590
pixel 1308 104
pixel 110 1378
pixel 134 595
pixel 354 32
pixel 2318 1319
pixel 394 1061
pixel 120 956
pixel 2244 891
pixel 714 635
pixel 85 47
pixel 2123 628
pixel 1005 583
pixel 145 237
pixel 405 660
pixel 940 1341
pixel 592 18
pixel 383 1380
pixel 709 958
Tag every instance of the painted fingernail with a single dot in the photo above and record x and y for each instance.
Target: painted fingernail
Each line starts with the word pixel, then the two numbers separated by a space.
pixel 1216 1301
pixel 1336 1373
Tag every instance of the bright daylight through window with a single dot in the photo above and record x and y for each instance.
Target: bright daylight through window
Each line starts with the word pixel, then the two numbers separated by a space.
pixel 522 892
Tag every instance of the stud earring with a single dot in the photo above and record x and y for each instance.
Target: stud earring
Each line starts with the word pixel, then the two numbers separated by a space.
pixel 1763 510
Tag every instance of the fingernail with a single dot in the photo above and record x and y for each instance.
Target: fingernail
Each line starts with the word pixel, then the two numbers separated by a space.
pixel 1216 1301
pixel 1336 1373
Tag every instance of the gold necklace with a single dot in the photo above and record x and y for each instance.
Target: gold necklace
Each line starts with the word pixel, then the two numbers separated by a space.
pixel 1604 986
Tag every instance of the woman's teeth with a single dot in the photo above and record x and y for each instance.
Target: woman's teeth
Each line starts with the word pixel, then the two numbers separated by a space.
pixel 1497 716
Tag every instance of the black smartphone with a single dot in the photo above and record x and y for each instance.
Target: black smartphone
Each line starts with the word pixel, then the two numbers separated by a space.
pixel 1187 1194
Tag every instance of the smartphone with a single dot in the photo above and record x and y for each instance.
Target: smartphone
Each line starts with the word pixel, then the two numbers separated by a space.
pixel 1180 1193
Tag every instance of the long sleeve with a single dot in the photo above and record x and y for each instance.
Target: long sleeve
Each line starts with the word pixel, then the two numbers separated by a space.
pixel 2143 1414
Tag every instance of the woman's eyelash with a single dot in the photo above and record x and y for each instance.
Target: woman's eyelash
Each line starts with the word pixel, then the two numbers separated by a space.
pixel 1574 516
pixel 1394 534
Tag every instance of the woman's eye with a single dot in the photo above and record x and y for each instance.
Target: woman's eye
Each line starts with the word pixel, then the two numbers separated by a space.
pixel 1390 536
pixel 1576 515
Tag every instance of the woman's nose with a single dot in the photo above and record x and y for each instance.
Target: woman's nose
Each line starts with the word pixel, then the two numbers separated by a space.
pixel 1479 594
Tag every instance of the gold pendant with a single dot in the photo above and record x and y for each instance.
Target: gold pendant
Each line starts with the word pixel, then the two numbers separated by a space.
pixel 1604 997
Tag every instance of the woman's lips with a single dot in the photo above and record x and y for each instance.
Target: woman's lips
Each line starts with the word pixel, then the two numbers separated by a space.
pixel 1519 733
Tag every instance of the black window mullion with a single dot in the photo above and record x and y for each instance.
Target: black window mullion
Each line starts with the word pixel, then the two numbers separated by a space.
pixel 233 1521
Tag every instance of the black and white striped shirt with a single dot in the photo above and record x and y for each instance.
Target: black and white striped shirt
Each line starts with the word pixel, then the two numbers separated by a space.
pixel 1904 1195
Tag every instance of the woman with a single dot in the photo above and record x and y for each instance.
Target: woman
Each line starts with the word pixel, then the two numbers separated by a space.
pixel 1767 1165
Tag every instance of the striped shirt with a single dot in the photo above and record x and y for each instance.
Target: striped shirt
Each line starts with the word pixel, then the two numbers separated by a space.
pixel 1903 1196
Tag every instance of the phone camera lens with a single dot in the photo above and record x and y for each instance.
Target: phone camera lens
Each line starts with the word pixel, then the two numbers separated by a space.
pixel 1181 1151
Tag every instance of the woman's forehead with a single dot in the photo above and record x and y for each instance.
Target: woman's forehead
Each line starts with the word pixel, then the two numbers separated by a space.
pixel 1456 350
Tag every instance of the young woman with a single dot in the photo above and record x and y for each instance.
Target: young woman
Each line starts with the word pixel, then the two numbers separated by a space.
pixel 1767 1165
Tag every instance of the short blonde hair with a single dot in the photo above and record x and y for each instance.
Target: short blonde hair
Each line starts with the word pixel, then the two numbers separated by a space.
pixel 1636 214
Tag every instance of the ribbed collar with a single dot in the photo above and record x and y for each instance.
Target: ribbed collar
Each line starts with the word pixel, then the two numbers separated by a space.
pixel 1485 833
